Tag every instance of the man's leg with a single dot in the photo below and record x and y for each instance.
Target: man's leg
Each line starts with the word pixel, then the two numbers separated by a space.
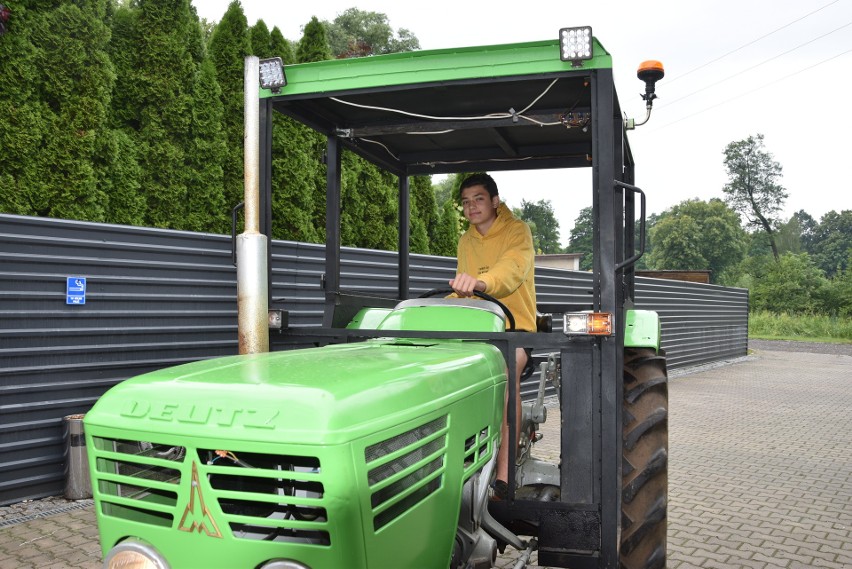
pixel 503 453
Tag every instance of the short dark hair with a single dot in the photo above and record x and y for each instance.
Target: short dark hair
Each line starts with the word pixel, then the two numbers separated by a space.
pixel 479 180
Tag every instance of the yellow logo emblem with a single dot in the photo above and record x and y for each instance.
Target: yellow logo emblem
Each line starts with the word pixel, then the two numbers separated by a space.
pixel 196 517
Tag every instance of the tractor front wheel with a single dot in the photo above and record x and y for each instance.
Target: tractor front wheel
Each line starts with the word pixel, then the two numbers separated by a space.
pixel 645 460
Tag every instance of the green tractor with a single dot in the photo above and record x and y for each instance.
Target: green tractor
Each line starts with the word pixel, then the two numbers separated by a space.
pixel 371 441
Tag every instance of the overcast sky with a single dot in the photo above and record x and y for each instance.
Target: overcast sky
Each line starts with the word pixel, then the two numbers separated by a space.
pixel 734 68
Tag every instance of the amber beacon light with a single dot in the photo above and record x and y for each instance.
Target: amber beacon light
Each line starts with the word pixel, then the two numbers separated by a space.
pixel 650 72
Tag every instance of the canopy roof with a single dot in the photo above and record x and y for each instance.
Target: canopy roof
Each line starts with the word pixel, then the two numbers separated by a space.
pixel 501 107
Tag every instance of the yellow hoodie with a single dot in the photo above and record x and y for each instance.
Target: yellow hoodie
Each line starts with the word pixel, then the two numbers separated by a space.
pixel 504 260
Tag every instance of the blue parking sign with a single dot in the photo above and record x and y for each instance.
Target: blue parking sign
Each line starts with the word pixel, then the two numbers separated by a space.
pixel 75 290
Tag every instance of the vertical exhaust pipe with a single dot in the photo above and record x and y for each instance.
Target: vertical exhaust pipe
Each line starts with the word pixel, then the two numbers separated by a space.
pixel 252 285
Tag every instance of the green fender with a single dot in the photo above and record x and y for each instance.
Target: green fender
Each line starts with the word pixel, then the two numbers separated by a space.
pixel 642 329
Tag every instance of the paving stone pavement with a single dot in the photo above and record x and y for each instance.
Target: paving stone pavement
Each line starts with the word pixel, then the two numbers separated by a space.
pixel 760 473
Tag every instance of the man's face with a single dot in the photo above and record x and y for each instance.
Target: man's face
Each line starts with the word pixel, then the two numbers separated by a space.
pixel 478 206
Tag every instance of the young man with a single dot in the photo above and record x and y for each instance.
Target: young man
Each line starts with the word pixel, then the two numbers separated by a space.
pixel 496 256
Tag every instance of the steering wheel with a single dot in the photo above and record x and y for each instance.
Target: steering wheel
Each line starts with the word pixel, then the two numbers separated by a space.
pixel 447 290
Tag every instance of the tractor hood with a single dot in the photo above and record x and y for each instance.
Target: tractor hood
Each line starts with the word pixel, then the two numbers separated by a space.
pixel 326 395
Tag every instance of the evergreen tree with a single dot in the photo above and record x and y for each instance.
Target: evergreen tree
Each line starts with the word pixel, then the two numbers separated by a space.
pixel 118 175
pixel 281 47
pixel 298 182
pixel 205 205
pixel 260 40
pixel 445 242
pixel 229 46
pixel 368 205
pixel 314 43
pixel 164 62
pixel 127 94
pixel 418 241
pixel 24 119
pixel 423 203
pixel 72 79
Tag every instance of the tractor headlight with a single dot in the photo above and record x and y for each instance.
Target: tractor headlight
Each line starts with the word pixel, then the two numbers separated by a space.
pixel 134 554
pixel 587 324
pixel 283 564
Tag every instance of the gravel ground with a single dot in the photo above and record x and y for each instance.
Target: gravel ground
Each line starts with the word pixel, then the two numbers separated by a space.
pixel 31 509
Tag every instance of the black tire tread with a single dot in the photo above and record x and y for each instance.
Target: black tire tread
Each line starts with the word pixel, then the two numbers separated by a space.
pixel 644 460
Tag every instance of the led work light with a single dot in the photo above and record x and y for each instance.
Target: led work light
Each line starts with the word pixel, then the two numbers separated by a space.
pixel 272 74
pixel 575 44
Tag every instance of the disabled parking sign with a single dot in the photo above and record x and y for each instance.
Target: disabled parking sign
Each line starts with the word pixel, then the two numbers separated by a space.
pixel 75 290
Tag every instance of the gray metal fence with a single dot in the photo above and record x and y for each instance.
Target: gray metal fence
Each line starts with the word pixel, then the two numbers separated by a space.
pixel 156 298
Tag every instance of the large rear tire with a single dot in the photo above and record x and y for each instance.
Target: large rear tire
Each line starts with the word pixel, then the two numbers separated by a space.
pixel 645 460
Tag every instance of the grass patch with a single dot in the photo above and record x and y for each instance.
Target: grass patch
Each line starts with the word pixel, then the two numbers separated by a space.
pixel 765 325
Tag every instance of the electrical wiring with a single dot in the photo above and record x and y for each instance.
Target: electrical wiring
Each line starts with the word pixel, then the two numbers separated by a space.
pixel 490 116
pixel 388 150
pixel 232 457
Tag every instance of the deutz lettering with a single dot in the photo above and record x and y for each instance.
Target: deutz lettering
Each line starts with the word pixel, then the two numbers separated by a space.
pixel 201 414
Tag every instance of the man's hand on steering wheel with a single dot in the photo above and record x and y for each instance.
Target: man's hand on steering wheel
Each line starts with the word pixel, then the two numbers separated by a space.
pixel 466 285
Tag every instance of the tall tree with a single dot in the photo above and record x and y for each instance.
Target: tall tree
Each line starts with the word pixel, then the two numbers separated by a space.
pixel 205 206
pixel 314 43
pixel 582 239
pixel 807 229
pixel 24 117
pixel 753 187
pixel 298 182
pixel 445 241
pixel 832 243
pixel 158 48
pixel 260 39
pixel 280 46
pixel 229 46
pixel 358 33
pixel 369 206
pixel 698 235
pixel 423 202
pixel 52 120
pixel 546 233
pixel 118 177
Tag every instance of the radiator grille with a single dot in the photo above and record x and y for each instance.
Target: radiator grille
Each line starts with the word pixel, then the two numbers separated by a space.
pixel 269 497
pixel 405 469
pixel 476 449
pixel 138 480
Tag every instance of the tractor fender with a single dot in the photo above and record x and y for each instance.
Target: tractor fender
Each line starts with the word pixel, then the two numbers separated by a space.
pixel 642 329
